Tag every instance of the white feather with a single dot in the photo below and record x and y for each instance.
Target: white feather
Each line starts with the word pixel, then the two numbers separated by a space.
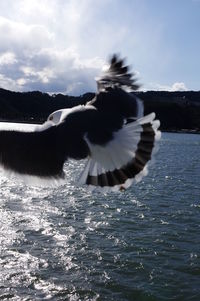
pixel 119 152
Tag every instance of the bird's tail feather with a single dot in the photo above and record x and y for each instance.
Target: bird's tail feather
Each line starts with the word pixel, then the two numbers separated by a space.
pixel 125 159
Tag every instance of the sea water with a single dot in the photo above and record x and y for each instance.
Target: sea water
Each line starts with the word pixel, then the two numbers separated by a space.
pixel 143 244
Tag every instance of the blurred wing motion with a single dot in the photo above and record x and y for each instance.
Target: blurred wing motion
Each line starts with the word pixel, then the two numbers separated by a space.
pixel 118 75
pixel 110 131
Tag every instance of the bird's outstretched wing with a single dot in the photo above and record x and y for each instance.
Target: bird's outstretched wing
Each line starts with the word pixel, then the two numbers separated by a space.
pixel 31 153
pixel 42 153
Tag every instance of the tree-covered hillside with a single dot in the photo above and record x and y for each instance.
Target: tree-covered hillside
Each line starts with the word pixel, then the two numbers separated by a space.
pixel 176 110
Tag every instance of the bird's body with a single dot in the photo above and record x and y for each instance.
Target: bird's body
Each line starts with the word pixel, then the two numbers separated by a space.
pixel 110 131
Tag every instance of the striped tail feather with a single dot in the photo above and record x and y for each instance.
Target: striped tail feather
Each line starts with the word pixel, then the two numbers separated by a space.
pixel 124 160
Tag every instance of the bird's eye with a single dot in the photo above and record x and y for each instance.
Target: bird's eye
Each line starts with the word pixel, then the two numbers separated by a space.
pixel 51 117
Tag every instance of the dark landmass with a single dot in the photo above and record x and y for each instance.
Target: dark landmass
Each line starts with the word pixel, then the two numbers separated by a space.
pixel 177 111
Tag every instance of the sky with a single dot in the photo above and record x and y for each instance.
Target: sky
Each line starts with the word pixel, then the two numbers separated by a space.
pixel 60 46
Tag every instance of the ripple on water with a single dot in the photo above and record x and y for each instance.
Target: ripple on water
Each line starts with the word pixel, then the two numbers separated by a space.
pixel 70 244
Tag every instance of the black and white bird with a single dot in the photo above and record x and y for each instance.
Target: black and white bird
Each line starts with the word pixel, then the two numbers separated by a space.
pixel 110 132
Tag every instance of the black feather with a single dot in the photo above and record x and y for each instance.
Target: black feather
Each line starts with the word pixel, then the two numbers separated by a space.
pixel 118 75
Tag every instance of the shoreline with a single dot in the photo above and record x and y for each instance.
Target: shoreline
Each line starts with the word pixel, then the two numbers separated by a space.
pixel 183 131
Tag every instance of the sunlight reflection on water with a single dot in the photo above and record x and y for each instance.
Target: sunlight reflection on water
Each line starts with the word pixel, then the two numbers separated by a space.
pixel 67 243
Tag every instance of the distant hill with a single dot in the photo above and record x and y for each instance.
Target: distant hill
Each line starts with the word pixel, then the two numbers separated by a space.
pixel 35 106
pixel 177 111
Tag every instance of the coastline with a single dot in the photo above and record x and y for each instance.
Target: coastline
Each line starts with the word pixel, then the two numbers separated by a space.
pixel 182 131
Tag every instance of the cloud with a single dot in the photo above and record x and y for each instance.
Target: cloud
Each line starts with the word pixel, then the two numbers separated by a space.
pixel 19 37
pixel 56 46
pixel 177 86
pixel 60 46
pixel 49 70
pixel 8 83
pixel 7 58
pixel 30 60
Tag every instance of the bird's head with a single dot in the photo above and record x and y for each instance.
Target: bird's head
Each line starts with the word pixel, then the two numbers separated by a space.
pixel 55 117
pixel 58 116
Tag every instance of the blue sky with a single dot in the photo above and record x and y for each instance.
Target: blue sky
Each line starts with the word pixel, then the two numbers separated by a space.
pixel 60 46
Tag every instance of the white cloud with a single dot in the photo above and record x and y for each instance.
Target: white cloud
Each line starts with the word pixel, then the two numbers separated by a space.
pixel 8 83
pixel 50 70
pixel 59 46
pixel 21 82
pixel 8 58
pixel 30 60
pixel 177 86
pixel 18 37
pixel 53 43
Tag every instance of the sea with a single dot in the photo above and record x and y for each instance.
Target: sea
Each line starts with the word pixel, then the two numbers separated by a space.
pixel 142 244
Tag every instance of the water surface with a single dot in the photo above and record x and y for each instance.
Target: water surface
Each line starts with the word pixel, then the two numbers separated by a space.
pixel 69 244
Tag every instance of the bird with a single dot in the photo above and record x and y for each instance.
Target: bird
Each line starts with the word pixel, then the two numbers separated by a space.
pixel 110 133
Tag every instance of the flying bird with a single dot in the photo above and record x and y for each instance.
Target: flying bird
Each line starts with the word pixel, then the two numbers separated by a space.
pixel 109 131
